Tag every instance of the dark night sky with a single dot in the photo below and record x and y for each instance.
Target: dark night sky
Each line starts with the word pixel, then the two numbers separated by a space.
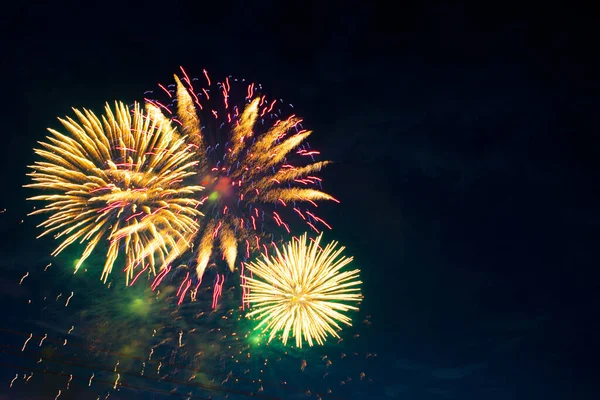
pixel 465 143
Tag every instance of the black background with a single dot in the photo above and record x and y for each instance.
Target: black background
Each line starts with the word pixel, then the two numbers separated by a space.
pixel 465 141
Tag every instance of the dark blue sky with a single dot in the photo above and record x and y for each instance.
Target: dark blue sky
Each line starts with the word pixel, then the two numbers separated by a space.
pixel 465 142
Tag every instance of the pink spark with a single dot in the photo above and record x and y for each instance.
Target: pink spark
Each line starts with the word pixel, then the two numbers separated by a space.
pixel 318 219
pixel 206 75
pixel 299 213
pixel 216 232
pixel 217 290
pixel 165 89
pixel 313 240
pixel 102 188
pixel 185 76
pixel 138 275
pixel 180 286
pixel 134 215
pixel 160 105
pixel 160 277
pixel 189 283
pixel 312 226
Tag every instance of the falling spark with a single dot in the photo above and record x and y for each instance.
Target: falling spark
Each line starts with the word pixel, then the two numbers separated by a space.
pixel 13 380
pixel 27 341
pixel 23 278
pixel 44 338
pixel 69 299
pixel 227 377
pixel 90 381
pixel 303 365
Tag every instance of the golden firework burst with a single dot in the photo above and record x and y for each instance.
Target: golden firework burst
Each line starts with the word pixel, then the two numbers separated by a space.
pixel 118 178
pixel 302 290
pixel 243 165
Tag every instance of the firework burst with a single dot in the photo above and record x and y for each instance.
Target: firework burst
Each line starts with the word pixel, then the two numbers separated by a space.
pixel 118 178
pixel 303 290
pixel 243 144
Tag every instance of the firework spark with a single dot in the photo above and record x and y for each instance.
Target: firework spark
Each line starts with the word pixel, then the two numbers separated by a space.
pixel 118 178
pixel 302 289
pixel 243 150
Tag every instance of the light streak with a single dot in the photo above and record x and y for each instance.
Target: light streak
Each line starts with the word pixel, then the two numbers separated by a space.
pixel 69 299
pixel 27 341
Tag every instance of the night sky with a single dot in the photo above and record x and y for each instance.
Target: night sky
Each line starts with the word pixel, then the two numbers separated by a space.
pixel 464 142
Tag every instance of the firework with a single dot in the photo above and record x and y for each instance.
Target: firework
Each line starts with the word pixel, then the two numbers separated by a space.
pixel 244 148
pixel 303 290
pixel 118 178
pixel 187 348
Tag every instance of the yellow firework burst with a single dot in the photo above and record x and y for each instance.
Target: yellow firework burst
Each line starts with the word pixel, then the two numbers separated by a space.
pixel 243 145
pixel 303 291
pixel 118 178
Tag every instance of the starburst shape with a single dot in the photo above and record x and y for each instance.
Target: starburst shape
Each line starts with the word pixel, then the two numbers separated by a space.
pixel 245 150
pixel 121 179
pixel 303 291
